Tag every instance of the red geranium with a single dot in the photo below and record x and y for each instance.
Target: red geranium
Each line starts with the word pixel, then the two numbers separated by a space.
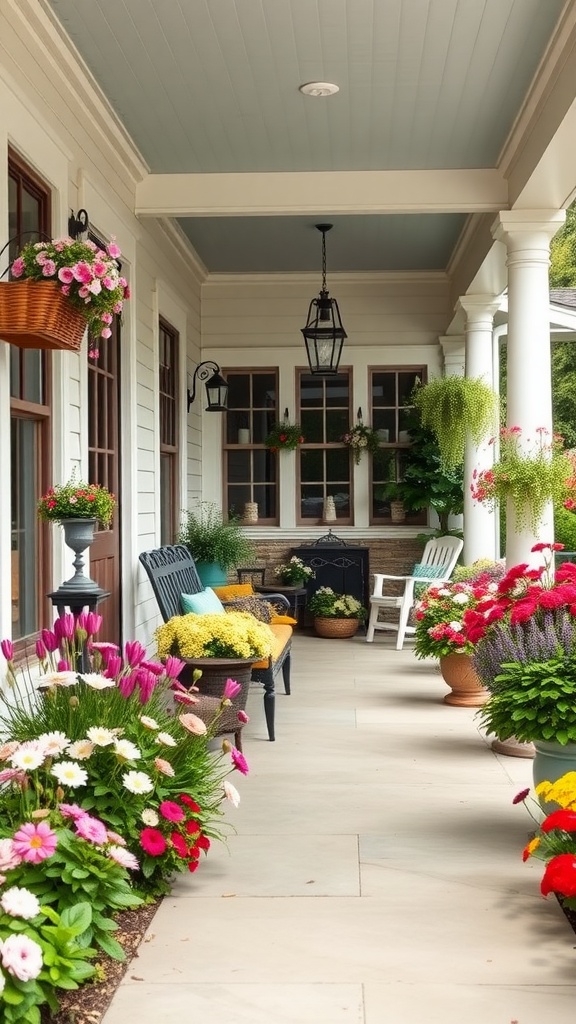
pixel 560 876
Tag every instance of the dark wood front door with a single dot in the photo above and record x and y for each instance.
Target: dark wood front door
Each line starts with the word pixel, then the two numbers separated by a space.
pixel 104 464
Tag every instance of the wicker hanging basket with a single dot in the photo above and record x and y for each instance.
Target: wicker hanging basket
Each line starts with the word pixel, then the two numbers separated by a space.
pixel 35 314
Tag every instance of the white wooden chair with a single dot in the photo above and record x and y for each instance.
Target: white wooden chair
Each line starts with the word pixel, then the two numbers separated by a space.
pixel 438 561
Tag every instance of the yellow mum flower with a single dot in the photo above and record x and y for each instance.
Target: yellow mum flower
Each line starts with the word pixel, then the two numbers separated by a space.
pixel 234 635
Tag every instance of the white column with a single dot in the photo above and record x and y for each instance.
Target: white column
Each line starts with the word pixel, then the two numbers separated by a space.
pixel 479 520
pixel 452 346
pixel 527 235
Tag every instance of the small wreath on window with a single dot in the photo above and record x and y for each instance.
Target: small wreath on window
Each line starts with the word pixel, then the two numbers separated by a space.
pixel 284 437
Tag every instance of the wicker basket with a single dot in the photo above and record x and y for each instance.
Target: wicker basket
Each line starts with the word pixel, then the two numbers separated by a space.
pixel 335 628
pixel 35 314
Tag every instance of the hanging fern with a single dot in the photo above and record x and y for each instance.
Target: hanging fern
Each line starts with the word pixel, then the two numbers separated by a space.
pixel 454 408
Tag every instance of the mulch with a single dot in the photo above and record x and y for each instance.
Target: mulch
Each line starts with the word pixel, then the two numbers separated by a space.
pixel 89 1003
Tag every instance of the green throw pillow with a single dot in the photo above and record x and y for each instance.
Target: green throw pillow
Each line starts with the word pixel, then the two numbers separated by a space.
pixel 428 572
pixel 204 603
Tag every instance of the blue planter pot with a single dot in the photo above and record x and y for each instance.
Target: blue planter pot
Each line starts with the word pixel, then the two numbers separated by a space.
pixel 551 761
pixel 211 574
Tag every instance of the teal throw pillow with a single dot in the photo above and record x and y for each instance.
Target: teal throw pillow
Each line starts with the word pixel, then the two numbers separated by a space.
pixel 428 572
pixel 204 603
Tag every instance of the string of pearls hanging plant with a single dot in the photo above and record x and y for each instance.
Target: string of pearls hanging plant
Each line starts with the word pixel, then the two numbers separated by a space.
pixel 455 408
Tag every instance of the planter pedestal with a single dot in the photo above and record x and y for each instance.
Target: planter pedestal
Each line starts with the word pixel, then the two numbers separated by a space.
pixel 467 690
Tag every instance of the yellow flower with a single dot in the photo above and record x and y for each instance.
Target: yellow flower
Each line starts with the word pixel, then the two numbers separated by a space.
pixel 234 635
pixel 562 792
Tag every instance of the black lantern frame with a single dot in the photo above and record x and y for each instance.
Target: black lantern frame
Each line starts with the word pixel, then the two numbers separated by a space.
pixel 216 386
pixel 324 332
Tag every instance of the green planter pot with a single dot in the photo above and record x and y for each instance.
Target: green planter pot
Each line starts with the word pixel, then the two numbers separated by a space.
pixel 211 574
pixel 551 761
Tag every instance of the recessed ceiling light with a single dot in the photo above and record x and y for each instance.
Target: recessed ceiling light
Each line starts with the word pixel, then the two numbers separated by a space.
pixel 319 88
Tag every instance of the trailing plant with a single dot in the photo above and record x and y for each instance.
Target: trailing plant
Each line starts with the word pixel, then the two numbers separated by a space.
pixel 209 538
pixel 531 474
pixel 361 438
pixel 455 408
pixel 565 527
pixel 284 436
pixel 327 604
pixel 426 483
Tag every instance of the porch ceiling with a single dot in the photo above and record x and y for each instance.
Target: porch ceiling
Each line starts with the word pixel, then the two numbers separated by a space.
pixel 208 87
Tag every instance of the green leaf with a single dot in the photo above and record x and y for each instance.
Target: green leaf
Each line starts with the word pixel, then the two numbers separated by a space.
pixel 111 946
pixel 77 918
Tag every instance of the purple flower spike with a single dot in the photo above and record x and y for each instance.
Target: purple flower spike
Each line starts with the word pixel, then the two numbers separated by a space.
pixel 135 653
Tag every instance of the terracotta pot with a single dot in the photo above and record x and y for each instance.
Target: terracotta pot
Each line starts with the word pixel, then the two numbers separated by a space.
pixel 335 628
pixel 467 690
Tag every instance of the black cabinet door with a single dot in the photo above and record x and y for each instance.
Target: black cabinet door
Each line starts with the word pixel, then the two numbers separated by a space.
pixel 345 569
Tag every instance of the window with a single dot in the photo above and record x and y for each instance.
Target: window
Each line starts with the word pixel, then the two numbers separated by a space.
pixel 250 470
pixel 29 219
pixel 390 391
pixel 169 440
pixel 325 464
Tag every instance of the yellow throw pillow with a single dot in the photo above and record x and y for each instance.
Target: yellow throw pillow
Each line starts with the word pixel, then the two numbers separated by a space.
pixel 283 620
pixel 229 593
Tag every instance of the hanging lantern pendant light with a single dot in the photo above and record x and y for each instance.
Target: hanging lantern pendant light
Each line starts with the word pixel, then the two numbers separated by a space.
pixel 324 334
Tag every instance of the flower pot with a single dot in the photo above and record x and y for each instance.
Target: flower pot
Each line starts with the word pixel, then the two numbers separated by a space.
pixel 332 628
pixel 215 672
pixel 211 574
pixel 551 761
pixel 35 314
pixel 467 690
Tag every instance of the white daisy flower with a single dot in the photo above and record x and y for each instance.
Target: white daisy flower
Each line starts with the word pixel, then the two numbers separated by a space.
pixel 96 681
pixel 81 750
pixel 57 679
pixel 53 743
pixel 20 903
pixel 127 750
pixel 166 739
pixel 99 736
pixel 69 773
pixel 137 782
pixel 149 817
pixel 149 723
pixel 27 757
pixel 461 598
pixel 231 793
pixel 456 626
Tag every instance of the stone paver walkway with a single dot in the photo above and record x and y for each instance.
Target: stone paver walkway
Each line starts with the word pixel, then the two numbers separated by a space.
pixel 375 876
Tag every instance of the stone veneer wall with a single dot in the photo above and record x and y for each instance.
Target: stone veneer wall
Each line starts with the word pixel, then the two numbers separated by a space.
pixel 391 555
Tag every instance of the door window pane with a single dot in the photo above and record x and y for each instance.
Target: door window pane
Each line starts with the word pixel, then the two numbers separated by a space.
pixel 25 552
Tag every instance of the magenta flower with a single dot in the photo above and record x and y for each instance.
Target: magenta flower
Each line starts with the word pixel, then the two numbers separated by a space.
pixel 93 623
pixel 147 683
pixel 173 666
pixel 71 811
pixel 40 650
pixel 113 665
pixel 153 666
pixel 49 268
pixel 135 653
pixel 49 639
pixel 63 665
pixel 239 761
pixel 243 717
pixel 7 648
pixel 521 796
pixel 18 267
pixel 64 627
pixel 65 275
pixel 171 811
pixel 106 333
pixel 34 843
pixel 231 689
pixel 113 250
pixel 82 272
pixel 127 684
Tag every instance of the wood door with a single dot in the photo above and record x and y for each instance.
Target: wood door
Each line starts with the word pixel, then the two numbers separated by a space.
pixel 104 465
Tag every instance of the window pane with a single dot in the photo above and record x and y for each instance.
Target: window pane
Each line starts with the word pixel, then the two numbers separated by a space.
pixel 265 497
pixel 238 390
pixel 311 391
pixel 406 382
pixel 239 467
pixel 166 501
pixel 337 391
pixel 33 376
pixel 311 465
pixel 337 423
pixel 262 423
pixel 341 502
pixel 25 558
pixel 338 464
pixel 384 389
pixel 312 424
pixel 264 391
pixel 238 495
pixel 263 466
pixel 312 501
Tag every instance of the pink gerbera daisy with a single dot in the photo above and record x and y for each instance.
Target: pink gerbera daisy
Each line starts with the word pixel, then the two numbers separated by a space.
pixel 170 810
pixel 152 842
pixel 34 843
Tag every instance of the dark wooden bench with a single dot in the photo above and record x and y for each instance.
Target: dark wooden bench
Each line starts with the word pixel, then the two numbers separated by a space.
pixel 172 572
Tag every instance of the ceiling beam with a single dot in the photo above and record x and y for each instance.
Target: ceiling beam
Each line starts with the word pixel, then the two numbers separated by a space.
pixel 325 193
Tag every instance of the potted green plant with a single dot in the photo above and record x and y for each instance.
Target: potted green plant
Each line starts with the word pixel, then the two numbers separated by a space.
pixel 426 482
pixel 530 475
pixel 335 615
pixel 284 437
pixel 294 573
pixel 525 653
pixel 216 544
pixel 455 408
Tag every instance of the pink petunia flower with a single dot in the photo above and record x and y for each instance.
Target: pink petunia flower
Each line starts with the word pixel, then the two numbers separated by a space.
pixel 171 811
pixel 231 689
pixel 92 829
pixel 65 275
pixel 239 761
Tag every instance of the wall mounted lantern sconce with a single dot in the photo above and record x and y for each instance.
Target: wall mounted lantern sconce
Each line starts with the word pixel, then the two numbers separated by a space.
pixel 216 386
pixel 78 224
pixel 324 334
